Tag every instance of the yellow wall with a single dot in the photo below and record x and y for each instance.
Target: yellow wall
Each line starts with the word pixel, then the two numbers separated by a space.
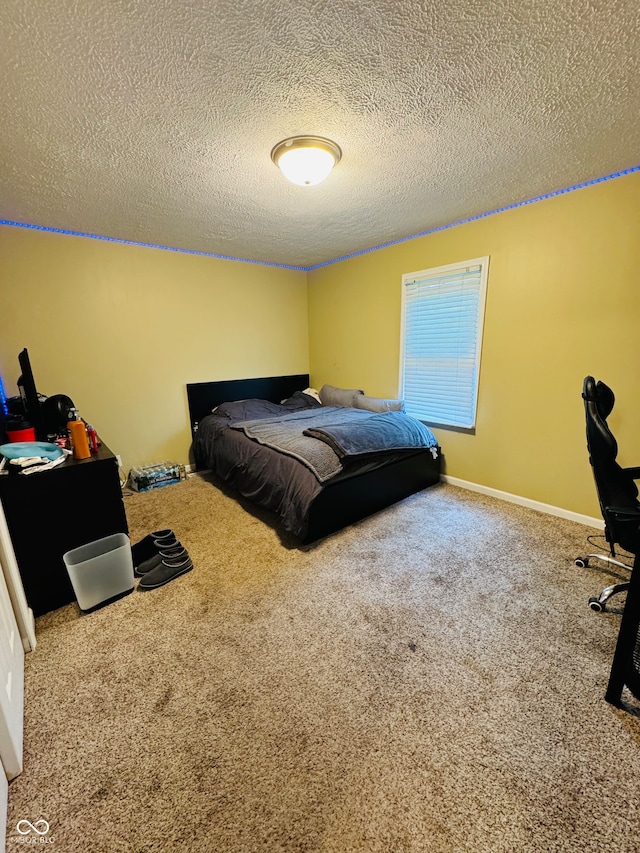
pixel 563 301
pixel 122 329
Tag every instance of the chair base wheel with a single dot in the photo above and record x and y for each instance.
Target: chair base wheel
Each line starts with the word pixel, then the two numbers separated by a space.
pixel 596 604
pixel 582 562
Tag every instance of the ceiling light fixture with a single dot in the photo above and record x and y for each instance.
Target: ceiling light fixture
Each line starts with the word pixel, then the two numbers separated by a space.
pixel 306 160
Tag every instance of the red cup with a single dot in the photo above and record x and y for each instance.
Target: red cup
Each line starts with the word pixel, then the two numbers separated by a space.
pixel 15 435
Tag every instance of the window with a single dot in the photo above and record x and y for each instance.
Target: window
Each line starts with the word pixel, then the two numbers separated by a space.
pixel 442 318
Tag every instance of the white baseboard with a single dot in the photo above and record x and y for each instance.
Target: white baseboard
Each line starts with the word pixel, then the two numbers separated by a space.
pixel 29 643
pixel 531 504
pixel 191 469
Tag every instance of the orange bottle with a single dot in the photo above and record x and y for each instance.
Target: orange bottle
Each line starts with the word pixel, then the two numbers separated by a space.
pixel 79 442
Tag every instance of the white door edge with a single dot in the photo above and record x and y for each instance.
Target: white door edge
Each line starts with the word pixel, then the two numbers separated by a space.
pixel 22 611
pixel 4 801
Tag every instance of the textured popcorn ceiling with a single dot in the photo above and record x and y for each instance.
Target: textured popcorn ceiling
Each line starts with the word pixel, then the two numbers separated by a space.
pixel 153 120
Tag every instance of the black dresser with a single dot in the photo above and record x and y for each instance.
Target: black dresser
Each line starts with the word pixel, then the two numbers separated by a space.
pixel 52 512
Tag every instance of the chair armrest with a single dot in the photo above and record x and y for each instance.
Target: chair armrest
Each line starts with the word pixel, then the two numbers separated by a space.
pixel 624 513
pixel 633 472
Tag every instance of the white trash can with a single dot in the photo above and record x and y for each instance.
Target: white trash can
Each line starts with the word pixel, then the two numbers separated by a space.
pixel 101 571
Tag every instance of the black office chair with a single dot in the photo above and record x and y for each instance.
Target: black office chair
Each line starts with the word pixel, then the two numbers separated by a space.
pixel 625 668
pixel 617 491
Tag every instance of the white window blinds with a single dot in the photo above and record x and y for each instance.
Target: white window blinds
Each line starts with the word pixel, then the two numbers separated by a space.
pixel 443 313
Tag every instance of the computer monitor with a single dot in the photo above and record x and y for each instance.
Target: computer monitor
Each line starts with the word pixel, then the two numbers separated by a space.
pixel 29 394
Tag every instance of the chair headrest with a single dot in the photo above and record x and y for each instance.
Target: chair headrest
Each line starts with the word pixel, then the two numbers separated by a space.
pixel 600 394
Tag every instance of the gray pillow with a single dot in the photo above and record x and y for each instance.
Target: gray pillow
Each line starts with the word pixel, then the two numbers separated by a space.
pixel 377 404
pixel 332 396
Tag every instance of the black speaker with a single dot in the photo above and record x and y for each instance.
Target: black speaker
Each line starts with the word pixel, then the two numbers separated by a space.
pixel 56 411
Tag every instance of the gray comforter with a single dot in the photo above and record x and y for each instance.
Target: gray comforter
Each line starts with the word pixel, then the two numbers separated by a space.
pixel 323 438
pixel 282 482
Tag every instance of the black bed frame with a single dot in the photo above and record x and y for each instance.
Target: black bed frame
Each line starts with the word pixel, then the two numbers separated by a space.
pixel 338 504
pixel 203 396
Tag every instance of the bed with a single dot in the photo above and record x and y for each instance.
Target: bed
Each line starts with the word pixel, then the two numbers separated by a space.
pixel 312 499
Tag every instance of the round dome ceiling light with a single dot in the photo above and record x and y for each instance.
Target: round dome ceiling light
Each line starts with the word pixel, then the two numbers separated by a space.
pixel 306 160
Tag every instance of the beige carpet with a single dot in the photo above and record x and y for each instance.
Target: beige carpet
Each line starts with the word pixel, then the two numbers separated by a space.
pixel 430 679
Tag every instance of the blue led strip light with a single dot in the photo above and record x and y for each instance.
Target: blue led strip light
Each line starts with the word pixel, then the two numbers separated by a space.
pixel 3 399
pixel 516 204
pixel 513 206
pixel 146 245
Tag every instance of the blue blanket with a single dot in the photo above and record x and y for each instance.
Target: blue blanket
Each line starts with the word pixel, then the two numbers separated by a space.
pixel 378 433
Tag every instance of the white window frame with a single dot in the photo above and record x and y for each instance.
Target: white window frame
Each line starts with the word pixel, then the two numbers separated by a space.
pixel 441 411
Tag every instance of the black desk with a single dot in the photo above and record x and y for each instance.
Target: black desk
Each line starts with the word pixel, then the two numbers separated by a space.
pixel 51 512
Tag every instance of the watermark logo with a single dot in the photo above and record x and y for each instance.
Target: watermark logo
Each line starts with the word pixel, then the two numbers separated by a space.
pixel 24 827
pixel 33 833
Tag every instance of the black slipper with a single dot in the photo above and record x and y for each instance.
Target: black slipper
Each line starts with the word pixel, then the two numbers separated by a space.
pixel 174 552
pixel 165 572
pixel 151 544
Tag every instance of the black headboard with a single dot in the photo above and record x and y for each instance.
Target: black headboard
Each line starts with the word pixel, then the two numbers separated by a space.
pixel 203 396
